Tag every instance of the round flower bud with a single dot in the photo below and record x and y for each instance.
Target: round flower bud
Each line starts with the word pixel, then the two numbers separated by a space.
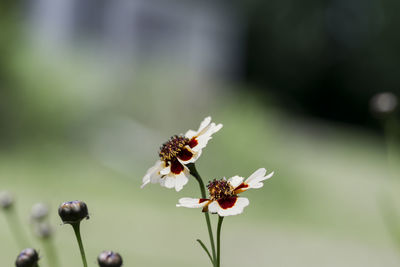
pixel 6 200
pixel 39 212
pixel 43 230
pixel 27 258
pixel 383 104
pixel 73 211
pixel 109 259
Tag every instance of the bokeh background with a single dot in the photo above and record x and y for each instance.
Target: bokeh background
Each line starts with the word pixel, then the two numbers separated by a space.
pixel 90 89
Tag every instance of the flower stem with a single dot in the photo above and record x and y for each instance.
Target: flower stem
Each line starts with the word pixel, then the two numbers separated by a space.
pixel 210 233
pixel 196 175
pixel 386 202
pixel 15 227
pixel 390 130
pixel 220 219
pixel 50 252
pixel 205 249
pixel 77 231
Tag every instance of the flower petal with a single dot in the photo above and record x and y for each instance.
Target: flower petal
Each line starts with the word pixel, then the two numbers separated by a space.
pixel 168 181
pixel 204 123
pixel 166 170
pixel 229 207
pixel 185 156
pixel 205 135
pixel 153 174
pixel 235 181
pixel 188 202
pixel 181 179
pixel 205 126
pixel 177 181
pixel 176 167
pixel 190 134
pixel 255 180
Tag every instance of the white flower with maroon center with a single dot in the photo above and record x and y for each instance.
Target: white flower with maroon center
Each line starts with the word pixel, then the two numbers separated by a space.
pixel 224 198
pixel 170 170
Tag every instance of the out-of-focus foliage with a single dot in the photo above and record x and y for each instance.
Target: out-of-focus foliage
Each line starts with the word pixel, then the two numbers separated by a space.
pixel 325 58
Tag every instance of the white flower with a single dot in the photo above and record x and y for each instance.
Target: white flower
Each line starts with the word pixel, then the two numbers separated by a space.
pixel 224 198
pixel 170 170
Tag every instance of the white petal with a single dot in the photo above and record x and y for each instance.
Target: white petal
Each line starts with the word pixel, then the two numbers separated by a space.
pixel 182 179
pixel 145 181
pixel 205 126
pixel 166 170
pixel 153 174
pixel 235 181
pixel 210 129
pixel 205 135
pixel 255 180
pixel 236 209
pixel 189 134
pixel 175 181
pixel 204 123
pixel 213 207
pixel 196 155
pixel 168 181
pixel 188 202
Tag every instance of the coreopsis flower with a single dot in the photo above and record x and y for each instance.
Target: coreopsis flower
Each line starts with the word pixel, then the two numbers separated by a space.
pixel 27 258
pixel 109 259
pixel 73 211
pixel 171 170
pixel 224 198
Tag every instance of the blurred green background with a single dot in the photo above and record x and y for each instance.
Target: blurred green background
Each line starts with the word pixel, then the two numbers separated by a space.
pixel 89 90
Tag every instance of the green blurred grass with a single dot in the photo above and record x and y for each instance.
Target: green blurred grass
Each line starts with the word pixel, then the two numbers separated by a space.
pixel 320 208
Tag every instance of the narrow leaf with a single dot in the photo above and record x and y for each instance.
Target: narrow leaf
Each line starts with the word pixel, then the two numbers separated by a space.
pixel 205 249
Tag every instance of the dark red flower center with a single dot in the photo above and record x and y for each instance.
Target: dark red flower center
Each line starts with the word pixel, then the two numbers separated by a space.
pixel 170 149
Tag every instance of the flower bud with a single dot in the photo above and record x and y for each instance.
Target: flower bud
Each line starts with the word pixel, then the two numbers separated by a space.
pixel 39 212
pixel 109 259
pixel 73 211
pixel 43 230
pixel 6 200
pixel 27 258
pixel 383 104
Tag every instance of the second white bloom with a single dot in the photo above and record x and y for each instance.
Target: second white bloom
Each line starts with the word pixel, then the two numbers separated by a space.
pixel 224 198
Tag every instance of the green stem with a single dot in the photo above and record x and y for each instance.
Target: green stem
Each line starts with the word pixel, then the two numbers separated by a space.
pixel 387 204
pixel 196 175
pixel 205 249
pixel 15 227
pixel 390 131
pixel 50 252
pixel 220 219
pixel 77 231
pixel 390 217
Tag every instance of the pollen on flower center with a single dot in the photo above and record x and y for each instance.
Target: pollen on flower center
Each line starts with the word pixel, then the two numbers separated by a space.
pixel 170 149
pixel 220 189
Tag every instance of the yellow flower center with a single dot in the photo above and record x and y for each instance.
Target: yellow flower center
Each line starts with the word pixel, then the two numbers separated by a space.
pixel 220 189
